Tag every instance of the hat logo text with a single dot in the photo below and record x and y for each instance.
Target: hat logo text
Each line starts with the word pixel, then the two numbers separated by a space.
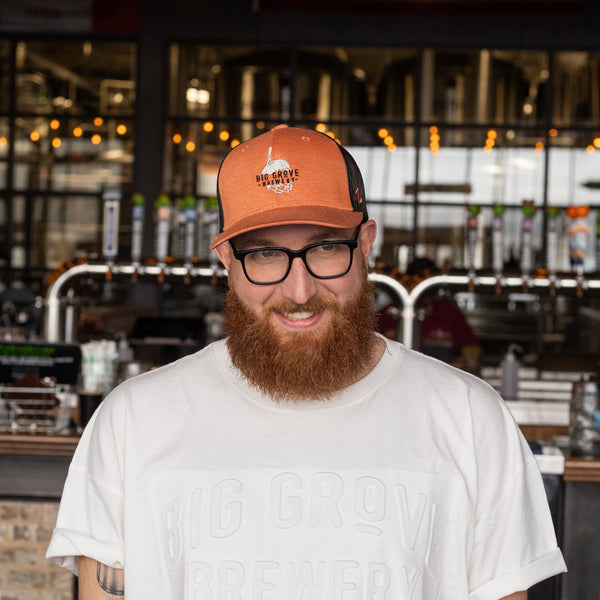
pixel 277 175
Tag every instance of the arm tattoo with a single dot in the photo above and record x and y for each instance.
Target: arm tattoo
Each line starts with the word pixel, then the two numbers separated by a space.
pixel 110 580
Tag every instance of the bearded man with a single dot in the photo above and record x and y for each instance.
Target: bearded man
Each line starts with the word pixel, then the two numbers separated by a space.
pixel 304 456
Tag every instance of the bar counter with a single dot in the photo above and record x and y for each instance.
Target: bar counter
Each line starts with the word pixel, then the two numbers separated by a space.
pixel 38 445
pixel 576 469
pixel 34 465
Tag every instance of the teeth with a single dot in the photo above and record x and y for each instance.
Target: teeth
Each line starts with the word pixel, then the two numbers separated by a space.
pixel 297 316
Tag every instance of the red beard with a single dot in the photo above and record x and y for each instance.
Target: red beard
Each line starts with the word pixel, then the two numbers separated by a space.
pixel 306 365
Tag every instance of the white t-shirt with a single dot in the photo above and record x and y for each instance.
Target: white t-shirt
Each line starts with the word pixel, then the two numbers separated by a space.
pixel 414 483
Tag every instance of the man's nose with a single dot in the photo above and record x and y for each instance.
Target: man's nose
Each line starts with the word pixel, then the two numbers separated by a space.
pixel 299 286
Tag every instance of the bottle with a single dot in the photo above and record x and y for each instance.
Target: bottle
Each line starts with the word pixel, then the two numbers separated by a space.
pixel 509 388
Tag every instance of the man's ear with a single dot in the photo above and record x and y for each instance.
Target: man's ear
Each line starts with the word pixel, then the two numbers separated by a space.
pixel 366 239
pixel 224 253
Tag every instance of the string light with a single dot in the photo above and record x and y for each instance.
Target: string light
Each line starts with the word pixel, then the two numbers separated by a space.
pixel 235 143
pixel 96 139
pixel 77 132
pixel 98 121
pixel 382 133
pixel 190 146
pixel 34 136
pixel 208 126
pixel 56 142
pixel 224 136
pixel 434 140
pixel 121 129
pixel 54 124
pixel 177 138
pixel 321 127
pixel 490 141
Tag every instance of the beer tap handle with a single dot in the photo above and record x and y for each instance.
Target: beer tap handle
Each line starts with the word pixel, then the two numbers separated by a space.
pixel 529 210
pixel 498 247
pixel 552 213
pixel 577 233
pixel 473 212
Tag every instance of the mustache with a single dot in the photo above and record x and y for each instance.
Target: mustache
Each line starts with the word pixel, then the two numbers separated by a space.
pixel 314 305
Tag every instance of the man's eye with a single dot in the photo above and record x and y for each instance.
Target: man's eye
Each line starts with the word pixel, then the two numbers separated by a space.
pixel 327 248
pixel 264 255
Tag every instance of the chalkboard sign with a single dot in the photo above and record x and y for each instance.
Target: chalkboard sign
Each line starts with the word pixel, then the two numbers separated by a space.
pixel 60 361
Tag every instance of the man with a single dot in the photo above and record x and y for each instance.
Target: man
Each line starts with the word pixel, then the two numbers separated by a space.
pixel 304 456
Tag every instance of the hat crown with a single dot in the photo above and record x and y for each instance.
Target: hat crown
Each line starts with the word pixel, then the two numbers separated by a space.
pixel 288 176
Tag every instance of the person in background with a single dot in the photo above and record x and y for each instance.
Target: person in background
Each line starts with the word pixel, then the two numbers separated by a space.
pixel 445 332
pixel 304 456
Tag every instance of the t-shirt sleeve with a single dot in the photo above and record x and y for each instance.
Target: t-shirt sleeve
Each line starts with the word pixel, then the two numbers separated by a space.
pixel 90 517
pixel 514 543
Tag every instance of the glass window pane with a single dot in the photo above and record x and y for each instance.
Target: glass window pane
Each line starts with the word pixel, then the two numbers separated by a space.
pixel 484 86
pixel 346 82
pixel 65 227
pixel 73 154
pixel 573 177
pixel 251 82
pixel 481 166
pixel 76 77
pixel 441 235
pixel 394 233
pixel 576 88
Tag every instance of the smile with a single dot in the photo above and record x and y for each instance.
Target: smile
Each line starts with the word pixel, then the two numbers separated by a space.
pixel 298 316
pixel 300 320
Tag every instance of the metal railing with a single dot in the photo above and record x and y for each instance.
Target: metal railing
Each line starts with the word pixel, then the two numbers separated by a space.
pixel 407 298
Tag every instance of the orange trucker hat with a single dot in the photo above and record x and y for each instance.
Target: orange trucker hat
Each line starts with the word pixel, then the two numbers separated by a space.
pixel 288 176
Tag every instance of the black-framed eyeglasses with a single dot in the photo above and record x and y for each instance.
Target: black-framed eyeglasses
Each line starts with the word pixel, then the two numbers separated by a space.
pixel 323 260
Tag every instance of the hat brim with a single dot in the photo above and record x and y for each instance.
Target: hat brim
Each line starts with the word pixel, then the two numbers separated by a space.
pixel 291 215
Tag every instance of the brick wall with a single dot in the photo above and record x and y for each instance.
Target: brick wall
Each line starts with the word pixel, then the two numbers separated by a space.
pixel 25 529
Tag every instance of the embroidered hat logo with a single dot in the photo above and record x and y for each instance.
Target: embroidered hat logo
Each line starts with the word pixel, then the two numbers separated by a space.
pixel 277 175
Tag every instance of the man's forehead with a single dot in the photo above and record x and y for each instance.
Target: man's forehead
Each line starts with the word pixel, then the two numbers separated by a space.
pixel 270 236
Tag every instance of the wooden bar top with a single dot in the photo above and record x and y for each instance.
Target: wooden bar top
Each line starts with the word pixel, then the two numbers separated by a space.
pixel 576 468
pixel 32 444
pixel 583 469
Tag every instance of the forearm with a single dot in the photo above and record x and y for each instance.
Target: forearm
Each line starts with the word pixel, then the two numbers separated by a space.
pixel 516 596
pixel 99 582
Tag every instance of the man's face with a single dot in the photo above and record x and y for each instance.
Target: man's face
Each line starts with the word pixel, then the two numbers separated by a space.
pixel 303 338
pixel 299 287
